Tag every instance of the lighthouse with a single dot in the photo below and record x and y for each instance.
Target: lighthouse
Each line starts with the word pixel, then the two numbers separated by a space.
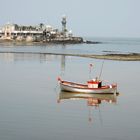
pixel 64 22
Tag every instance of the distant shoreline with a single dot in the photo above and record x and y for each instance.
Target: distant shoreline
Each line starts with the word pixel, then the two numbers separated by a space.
pixel 72 40
pixel 115 57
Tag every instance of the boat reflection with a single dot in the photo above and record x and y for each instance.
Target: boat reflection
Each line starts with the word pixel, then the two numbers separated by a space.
pixel 93 100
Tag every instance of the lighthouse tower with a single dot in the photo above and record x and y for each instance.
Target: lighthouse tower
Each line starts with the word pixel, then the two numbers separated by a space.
pixel 64 22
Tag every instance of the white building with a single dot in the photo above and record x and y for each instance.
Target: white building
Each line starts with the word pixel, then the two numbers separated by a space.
pixel 7 30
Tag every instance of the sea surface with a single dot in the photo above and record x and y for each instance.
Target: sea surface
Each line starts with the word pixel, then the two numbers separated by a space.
pixel 33 108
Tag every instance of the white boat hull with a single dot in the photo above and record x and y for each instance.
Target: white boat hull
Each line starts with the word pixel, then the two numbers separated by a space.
pixel 74 88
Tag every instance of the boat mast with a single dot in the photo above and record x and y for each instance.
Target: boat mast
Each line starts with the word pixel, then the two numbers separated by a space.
pixel 90 67
pixel 101 70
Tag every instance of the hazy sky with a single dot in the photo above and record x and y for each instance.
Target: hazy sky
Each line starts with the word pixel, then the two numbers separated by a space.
pixel 97 18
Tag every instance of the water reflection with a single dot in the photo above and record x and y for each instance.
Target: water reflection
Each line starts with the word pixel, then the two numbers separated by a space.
pixel 63 63
pixel 93 100
pixel 14 57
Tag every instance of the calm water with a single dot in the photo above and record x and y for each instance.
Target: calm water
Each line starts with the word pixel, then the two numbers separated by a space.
pixel 32 107
pixel 108 45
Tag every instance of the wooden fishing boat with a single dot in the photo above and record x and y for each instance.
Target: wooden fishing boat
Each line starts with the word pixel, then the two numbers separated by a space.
pixel 92 86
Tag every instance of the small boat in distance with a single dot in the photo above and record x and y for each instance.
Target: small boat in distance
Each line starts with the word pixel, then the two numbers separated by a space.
pixel 92 86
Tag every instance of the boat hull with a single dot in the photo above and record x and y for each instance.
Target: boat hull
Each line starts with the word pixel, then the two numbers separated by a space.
pixel 84 89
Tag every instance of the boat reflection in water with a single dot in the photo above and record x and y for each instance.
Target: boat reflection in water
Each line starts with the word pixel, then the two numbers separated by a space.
pixel 93 100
